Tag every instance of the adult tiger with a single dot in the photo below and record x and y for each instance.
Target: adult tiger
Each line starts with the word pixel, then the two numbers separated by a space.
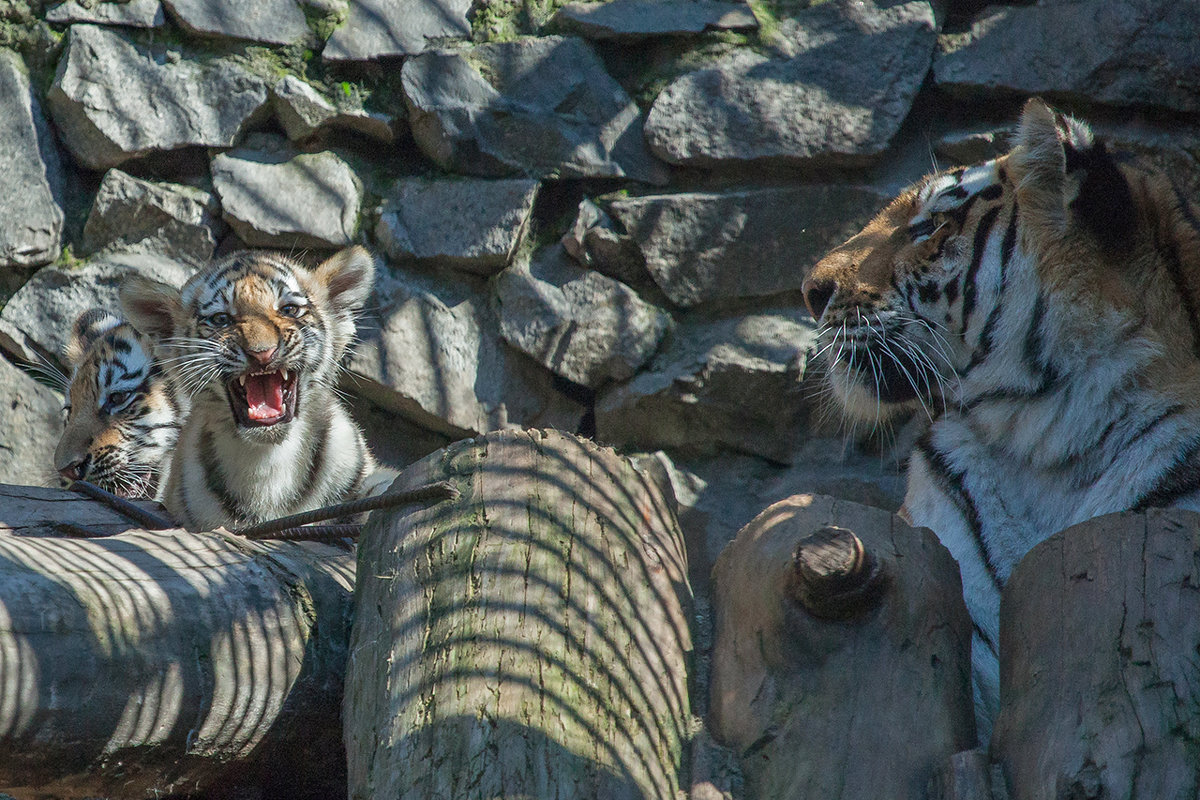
pixel 256 340
pixel 1043 308
pixel 123 414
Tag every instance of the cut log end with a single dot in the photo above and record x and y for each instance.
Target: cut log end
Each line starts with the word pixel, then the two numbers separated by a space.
pixel 834 576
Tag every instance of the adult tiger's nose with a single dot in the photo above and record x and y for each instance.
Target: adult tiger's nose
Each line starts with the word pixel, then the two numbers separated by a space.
pixel 817 292
pixel 263 357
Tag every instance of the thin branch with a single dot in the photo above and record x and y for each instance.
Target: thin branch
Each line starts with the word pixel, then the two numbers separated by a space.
pixel 147 519
pixel 314 533
pixel 442 490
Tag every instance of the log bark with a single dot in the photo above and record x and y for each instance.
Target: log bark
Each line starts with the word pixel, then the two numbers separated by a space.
pixel 153 663
pixel 1099 684
pixel 530 639
pixel 840 671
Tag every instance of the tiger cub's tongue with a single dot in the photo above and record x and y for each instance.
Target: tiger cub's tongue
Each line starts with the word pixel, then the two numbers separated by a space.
pixel 264 396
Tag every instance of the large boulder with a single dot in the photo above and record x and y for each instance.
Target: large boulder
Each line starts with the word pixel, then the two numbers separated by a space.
pixel 37 320
pixel 272 21
pixel 385 28
pixel 729 382
pixel 31 218
pixel 704 246
pixel 543 106
pixel 430 349
pixel 273 196
pixel 632 20
pixel 113 100
pixel 173 220
pixel 1123 53
pixel 302 111
pixel 581 325
pixel 839 99
pixel 130 13
pixel 471 224
pixel 29 428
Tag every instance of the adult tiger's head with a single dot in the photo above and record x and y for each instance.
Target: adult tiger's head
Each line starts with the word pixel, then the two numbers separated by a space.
pixel 122 416
pixel 964 285
pixel 255 331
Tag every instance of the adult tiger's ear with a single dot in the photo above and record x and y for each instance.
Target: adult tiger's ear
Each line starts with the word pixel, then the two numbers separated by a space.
pixel 150 306
pixel 88 327
pixel 348 277
pixel 1066 177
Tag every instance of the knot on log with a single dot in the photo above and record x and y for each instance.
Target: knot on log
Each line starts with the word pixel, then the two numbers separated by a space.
pixel 835 576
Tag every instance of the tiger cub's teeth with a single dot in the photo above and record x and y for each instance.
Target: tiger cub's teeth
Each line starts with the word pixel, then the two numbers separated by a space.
pixel 285 375
pixel 242 380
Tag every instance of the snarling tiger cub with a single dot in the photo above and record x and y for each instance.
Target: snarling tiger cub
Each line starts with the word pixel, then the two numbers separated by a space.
pixel 1044 307
pixel 255 340
pixel 123 414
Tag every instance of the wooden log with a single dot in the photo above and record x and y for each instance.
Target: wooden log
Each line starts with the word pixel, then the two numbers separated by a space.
pixel 1099 684
pixel 530 639
pixel 841 665
pixel 152 663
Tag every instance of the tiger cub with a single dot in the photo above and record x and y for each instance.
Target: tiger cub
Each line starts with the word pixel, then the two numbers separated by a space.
pixel 123 415
pixel 1045 308
pixel 255 340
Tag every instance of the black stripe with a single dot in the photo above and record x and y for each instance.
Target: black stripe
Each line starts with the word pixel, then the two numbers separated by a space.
pixel 1174 266
pixel 1032 352
pixel 122 346
pixel 980 243
pixel 1182 478
pixel 989 326
pixel 317 464
pixel 1140 433
pixel 214 477
pixel 952 483
pixel 986 639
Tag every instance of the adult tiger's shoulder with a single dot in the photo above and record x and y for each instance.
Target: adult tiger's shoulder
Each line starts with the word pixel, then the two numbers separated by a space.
pixel 1044 309
pixel 256 339
pixel 123 415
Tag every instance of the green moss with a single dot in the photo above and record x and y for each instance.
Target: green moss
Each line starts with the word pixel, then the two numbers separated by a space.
pixel 68 260
pixel 505 20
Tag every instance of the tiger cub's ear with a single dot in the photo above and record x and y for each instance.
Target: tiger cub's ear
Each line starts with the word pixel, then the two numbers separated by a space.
pixel 91 325
pixel 348 277
pixel 151 306
pixel 1066 177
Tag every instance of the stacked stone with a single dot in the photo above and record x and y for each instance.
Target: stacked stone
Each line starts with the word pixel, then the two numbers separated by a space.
pixel 594 216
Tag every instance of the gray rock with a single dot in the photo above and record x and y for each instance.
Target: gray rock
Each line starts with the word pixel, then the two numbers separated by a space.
pixel 130 13
pixel 839 100
pixel 470 224
pixel 430 350
pixel 383 28
pixel 582 325
pixel 640 19
pixel 113 101
pixel 541 106
pixel 302 111
pixel 704 247
pixel 135 215
pixel 725 383
pixel 595 241
pixel 272 21
pixel 37 320
pixel 29 428
pixel 274 197
pixel 1118 52
pixel 31 217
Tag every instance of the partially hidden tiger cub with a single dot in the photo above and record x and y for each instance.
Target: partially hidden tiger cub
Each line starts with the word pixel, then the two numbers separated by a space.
pixel 123 414
pixel 1044 307
pixel 255 340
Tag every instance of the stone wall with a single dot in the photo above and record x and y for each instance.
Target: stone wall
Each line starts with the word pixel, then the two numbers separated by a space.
pixel 594 217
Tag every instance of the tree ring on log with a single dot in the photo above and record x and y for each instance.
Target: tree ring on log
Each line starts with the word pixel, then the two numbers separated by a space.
pixel 834 576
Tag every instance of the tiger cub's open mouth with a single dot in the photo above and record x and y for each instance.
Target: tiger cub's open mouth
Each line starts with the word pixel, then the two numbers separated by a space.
pixel 262 399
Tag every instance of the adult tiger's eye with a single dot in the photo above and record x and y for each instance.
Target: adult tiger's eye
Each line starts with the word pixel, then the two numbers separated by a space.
pixel 291 310
pixel 219 320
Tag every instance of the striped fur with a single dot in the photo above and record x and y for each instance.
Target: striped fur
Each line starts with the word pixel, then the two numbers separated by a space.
pixel 1041 309
pixel 259 319
pixel 123 415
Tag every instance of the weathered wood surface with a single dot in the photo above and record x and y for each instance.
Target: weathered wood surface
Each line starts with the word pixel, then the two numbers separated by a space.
pixel 865 701
pixel 1099 671
pixel 529 640
pixel 154 663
